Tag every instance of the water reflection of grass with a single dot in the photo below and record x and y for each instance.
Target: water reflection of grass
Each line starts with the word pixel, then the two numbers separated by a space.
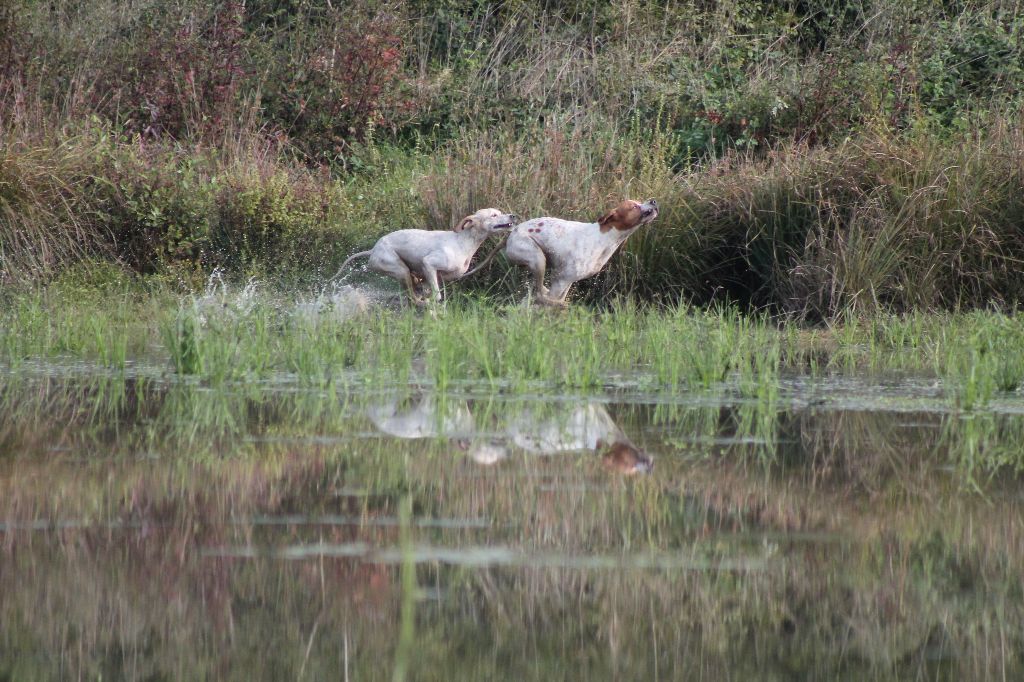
pixel 861 577
pixel 888 544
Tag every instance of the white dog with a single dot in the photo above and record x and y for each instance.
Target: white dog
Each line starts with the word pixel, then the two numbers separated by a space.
pixel 574 250
pixel 584 427
pixel 433 256
pixel 425 419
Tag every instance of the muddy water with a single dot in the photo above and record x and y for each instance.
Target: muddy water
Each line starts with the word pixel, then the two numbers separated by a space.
pixel 850 528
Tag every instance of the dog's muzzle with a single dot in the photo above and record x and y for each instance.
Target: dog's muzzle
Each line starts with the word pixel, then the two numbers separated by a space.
pixel 652 211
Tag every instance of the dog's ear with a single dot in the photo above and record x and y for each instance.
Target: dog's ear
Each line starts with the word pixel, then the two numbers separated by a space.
pixel 606 220
pixel 465 224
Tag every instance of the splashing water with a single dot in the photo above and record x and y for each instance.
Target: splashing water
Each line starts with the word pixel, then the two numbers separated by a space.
pixel 336 302
pixel 333 302
pixel 219 299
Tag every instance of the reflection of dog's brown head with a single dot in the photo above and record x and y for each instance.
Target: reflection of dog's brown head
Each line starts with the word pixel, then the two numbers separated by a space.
pixel 625 458
pixel 628 215
pixel 488 219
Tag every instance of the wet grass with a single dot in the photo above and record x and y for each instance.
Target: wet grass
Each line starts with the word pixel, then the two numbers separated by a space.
pixel 236 444
pixel 248 334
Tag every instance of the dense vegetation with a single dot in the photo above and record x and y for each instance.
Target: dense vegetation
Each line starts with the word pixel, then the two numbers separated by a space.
pixel 814 158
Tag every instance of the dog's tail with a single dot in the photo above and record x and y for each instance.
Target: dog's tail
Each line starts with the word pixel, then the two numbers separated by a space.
pixel 487 259
pixel 347 261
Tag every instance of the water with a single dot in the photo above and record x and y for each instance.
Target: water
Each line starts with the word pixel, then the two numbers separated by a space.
pixel 854 528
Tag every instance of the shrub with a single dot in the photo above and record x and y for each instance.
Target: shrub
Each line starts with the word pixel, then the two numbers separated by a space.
pixel 339 78
pixel 883 222
pixel 186 80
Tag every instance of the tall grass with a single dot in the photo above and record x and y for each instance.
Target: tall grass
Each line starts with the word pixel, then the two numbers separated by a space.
pixel 184 212
pixel 878 223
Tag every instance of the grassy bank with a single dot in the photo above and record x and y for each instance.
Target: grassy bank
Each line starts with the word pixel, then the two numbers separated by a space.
pixel 818 161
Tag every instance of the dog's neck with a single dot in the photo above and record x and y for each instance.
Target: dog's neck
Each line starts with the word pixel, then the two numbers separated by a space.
pixel 473 238
pixel 615 236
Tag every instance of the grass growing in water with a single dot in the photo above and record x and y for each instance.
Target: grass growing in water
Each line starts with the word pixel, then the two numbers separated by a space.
pixel 243 335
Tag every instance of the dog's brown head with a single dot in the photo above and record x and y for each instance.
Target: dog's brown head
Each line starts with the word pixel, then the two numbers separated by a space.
pixel 629 215
pixel 488 219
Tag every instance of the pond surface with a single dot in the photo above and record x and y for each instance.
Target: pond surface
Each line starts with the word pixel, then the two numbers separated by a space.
pixel 160 529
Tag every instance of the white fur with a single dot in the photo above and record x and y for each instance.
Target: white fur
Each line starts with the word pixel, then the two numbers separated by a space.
pixel 573 250
pixel 433 256
pixel 581 428
pixel 422 419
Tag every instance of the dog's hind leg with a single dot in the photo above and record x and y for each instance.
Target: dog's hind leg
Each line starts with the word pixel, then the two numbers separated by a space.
pixel 414 295
pixel 388 263
pixel 422 288
pixel 559 290
pixel 523 250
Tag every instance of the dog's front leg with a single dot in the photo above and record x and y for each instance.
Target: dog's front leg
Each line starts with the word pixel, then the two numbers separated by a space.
pixel 430 275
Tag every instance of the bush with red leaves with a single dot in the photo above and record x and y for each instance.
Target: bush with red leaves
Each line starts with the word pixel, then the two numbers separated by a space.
pixel 187 82
pixel 348 80
pixel 13 57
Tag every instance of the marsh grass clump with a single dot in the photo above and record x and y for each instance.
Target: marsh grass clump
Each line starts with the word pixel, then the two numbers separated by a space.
pixel 181 341
pixel 984 360
pixel 879 223
pixel 240 334
pixel 159 210
pixel 93 312
pixel 512 347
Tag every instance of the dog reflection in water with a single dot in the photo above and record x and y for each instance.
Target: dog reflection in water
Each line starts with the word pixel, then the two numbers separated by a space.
pixel 582 428
pixel 625 458
pixel 586 427
pixel 426 418
pixel 423 418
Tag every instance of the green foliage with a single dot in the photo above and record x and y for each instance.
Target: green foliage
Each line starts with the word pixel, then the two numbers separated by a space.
pixel 971 59
pixel 333 77
pixel 815 159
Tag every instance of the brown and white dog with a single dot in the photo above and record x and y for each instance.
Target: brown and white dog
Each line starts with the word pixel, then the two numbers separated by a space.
pixel 573 250
pixel 433 256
